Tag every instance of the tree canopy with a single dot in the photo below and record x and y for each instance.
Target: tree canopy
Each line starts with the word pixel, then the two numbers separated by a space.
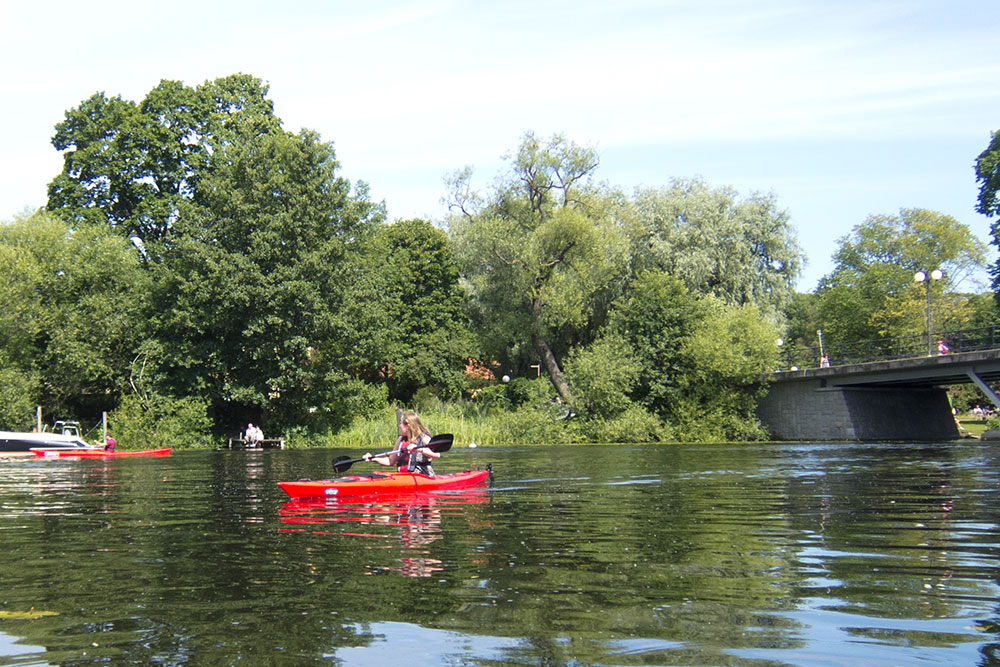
pixel 742 250
pixel 208 267
pixel 537 251
pixel 871 293
pixel 131 165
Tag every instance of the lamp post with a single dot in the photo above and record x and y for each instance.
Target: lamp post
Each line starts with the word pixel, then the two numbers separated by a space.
pixel 921 276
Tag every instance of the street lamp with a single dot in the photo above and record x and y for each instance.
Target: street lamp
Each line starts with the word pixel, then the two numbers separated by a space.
pixel 921 276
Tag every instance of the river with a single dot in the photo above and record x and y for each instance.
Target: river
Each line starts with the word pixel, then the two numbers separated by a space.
pixel 764 555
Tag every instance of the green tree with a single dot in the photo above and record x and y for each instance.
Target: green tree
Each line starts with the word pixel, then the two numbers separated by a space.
pixel 72 313
pixel 251 237
pixel 655 320
pixel 695 362
pixel 427 337
pixel 538 253
pixel 988 177
pixel 246 303
pixel 129 166
pixel 603 375
pixel 871 293
pixel 742 250
pixel 726 356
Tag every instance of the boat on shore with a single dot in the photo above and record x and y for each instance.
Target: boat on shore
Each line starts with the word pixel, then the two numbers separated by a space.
pixel 64 436
pixel 388 483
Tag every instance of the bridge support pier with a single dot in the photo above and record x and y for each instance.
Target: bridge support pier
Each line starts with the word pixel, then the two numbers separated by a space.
pixel 806 409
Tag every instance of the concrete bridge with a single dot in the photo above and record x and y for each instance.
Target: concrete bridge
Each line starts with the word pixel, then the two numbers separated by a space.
pixel 893 399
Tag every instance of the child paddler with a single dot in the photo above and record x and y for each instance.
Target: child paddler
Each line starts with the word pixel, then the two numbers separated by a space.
pixel 411 453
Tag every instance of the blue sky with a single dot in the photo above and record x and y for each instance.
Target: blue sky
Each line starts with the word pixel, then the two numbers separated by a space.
pixel 841 109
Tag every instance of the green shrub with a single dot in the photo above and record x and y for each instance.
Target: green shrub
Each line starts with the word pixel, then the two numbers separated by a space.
pixel 634 425
pixel 164 422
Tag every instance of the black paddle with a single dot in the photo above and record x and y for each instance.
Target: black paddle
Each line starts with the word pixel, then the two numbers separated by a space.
pixel 439 443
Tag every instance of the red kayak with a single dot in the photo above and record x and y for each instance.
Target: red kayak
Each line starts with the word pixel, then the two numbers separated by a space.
pixel 97 453
pixel 384 483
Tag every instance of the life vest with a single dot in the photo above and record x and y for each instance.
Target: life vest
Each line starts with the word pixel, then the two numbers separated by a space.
pixel 418 462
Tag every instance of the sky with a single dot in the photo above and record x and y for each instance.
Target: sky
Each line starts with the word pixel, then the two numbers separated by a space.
pixel 840 109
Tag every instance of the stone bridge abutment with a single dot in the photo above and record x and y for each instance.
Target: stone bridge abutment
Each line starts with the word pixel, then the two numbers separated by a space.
pixel 899 400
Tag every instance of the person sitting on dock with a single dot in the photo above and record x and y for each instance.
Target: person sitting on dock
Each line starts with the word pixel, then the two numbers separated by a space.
pixel 411 453
pixel 253 436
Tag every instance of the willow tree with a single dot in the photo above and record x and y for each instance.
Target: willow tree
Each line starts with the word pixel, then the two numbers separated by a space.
pixel 740 249
pixel 538 251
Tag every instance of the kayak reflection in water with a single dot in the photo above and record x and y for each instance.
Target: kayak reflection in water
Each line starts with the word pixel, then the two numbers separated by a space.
pixel 421 526
pixel 411 453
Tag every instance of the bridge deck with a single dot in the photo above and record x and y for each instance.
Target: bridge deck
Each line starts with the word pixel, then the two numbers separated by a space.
pixel 933 371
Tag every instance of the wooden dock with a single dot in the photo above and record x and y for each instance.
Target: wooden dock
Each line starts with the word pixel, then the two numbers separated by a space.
pixel 241 443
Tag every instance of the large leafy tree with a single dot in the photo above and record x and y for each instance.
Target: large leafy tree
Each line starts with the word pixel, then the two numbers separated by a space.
pixel 655 320
pixel 247 301
pixel 693 361
pixel 129 166
pixel 871 292
pixel 739 249
pixel 538 253
pixel 249 234
pixel 729 351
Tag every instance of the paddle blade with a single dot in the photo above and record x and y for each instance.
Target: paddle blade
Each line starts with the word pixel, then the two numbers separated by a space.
pixel 441 443
pixel 342 463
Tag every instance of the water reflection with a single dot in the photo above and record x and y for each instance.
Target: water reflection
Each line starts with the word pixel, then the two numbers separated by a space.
pixel 411 523
pixel 776 554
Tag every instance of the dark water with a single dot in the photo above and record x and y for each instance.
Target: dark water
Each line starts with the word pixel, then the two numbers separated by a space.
pixel 690 555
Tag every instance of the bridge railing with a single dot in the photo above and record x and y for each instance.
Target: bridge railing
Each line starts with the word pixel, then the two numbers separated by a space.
pixel 886 349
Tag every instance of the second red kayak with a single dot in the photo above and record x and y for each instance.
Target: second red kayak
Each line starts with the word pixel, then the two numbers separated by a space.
pixel 387 483
pixel 97 453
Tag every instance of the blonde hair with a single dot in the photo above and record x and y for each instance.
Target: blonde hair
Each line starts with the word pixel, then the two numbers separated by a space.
pixel 414 428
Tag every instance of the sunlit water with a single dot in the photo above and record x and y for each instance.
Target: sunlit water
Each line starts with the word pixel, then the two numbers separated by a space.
pixel 812 554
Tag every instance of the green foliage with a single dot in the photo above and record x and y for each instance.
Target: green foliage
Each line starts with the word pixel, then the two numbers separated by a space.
pixel 181 423
pixel 988 177
pixel 654 321
pixel 19 392
pixel 533 425
pixel 871 292
pixel 741 250
pixel 247 299
pixel 632 425
pixel 538 254
pixel 494 398
pixel 71 312
pixel 129 166
pixel 425 336
pixel 603 375
pixel 528 391
pixel 728 353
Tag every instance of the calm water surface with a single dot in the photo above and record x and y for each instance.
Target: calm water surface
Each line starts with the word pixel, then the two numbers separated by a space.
pixel 809 554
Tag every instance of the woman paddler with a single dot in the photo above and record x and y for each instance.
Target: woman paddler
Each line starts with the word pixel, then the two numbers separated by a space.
pixel 411 453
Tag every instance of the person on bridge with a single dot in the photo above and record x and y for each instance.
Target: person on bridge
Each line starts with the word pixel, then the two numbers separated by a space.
pixel 942 348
